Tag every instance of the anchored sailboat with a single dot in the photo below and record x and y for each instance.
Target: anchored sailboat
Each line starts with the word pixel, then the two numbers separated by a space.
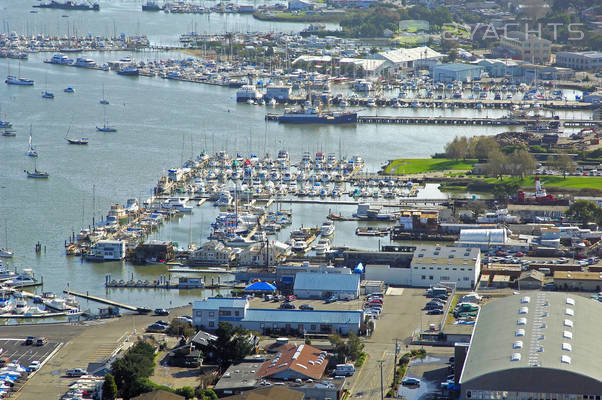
pixel 31 151
pixel 36 173
pixel 106 127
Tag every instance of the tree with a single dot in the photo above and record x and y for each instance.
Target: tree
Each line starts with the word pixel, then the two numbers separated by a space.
pixel 232 344
pixel 521 163
pixel 186 391
pixel 563 163
pixel 496 164
pixel 481 146
pixel 457 148
pixel 354 346
pixel 180 328
pixel 109 388
pixel 584 212
pixel 205 394
pixel 130 371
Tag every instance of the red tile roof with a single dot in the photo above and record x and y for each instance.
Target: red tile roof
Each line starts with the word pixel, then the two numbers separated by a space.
pixel 304 359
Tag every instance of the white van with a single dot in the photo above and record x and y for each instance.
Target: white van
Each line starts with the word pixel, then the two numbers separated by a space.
pixel 344 370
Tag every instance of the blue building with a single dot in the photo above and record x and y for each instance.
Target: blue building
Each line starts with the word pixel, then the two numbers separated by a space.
pixel 315 285
pixel 208 313
pixel 456 72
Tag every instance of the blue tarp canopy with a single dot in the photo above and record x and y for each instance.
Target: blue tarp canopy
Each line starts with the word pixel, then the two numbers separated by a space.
pixel 260 287
pixel 359 269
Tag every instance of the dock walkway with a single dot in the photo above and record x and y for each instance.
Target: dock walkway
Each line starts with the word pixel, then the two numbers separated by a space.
pixel 103 301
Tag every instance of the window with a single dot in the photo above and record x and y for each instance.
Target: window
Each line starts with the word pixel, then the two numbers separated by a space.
pixel 466 278
pixel 211 324
pixel 445 278
pixel 461 269
pixel 237 313
pixel 431 277
pixel 423 277
pixel 454 269
pixel 212 313
pixel 198 313
pixel 313 327
pixel 225 313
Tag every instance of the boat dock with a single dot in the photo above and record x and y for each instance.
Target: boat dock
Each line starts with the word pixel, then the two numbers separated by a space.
pixel 399 202
pixel 406 120
pixel 105 301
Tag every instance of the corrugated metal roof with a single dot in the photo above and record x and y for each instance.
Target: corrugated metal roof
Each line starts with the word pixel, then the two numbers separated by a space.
pixel 300 316
pixel 546 328
pixel 214 303
pixel 326 282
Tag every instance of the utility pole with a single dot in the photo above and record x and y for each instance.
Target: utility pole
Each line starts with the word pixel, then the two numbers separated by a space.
pixel 381 362
pixel 396 353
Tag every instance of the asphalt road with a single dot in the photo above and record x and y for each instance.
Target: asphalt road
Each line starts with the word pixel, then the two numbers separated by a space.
pixel 402 315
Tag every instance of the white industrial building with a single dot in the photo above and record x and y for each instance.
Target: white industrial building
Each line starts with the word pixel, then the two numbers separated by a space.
pixel 208 313
pixel 387 274
pixel 490 239
pixel 580 60
pixel 434 264
pixel 311 285
pixel 410 58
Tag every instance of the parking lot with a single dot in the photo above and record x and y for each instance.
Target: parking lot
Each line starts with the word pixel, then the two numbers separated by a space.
pixel 432 370
pixel 316 304
pixel 16 351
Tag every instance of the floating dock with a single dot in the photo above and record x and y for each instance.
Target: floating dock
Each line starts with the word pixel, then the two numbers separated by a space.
pixel 106 301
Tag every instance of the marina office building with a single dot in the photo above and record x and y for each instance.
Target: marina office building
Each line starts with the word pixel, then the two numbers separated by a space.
pixel 541 345
pixel 580 60
pixel 431 265
pixel 208 313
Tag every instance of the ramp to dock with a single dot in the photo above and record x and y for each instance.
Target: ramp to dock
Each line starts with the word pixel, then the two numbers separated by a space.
pixel 104 301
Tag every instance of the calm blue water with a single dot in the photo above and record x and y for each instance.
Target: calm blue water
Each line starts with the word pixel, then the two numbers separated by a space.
pixel 160 123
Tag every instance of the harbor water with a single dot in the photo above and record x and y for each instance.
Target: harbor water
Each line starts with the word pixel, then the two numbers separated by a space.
pixel 160 123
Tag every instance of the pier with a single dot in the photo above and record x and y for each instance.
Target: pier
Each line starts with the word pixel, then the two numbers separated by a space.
pixel 106 301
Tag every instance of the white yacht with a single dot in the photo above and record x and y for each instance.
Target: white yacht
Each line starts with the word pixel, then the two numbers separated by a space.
pixel 132 206
pixel 240 241
pixel 21 306
pixel 6 253
pixel 179 204
pixel 248 92
pixel 327 228
pixel 224 199
pixel 322 247
pixel 299 246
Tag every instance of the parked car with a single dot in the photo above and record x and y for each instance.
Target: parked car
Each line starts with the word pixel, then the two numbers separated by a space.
pixel 161 322
pixel 410 381
pixel 30 340
pixel 331 299
pixel 41 341
pixel 34 365
pixel 156 328
pixel 184 320
pixel 287 306
pixel 306 307
pixel 76 372
pixel 161 311
pixel 433 307
pixel 435 311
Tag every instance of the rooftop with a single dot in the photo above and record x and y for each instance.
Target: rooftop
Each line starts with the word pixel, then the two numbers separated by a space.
pixel 578 275
pixel 457 67
pixel 413 54
pixel 303 359
pixel 214 303
pixel 326 282
pixel 533 330
pixel 268 393
pixel 428 254
pixel 302 316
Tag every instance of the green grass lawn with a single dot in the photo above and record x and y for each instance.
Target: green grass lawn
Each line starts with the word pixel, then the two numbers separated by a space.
pixel 576 182
pixel 419 165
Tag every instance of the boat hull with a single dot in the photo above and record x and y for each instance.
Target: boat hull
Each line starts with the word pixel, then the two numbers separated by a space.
pixel 347 118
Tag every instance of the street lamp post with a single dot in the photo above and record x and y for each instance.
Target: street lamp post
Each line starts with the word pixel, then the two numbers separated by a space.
pixel 381 362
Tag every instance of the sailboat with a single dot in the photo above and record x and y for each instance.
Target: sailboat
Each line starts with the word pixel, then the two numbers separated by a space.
pixel 13 80
pixel 46 94
pixel 5 252
pixel 81 140
pixel 103 101
pixel 106 127
pixel 31 152
pixel 36 173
